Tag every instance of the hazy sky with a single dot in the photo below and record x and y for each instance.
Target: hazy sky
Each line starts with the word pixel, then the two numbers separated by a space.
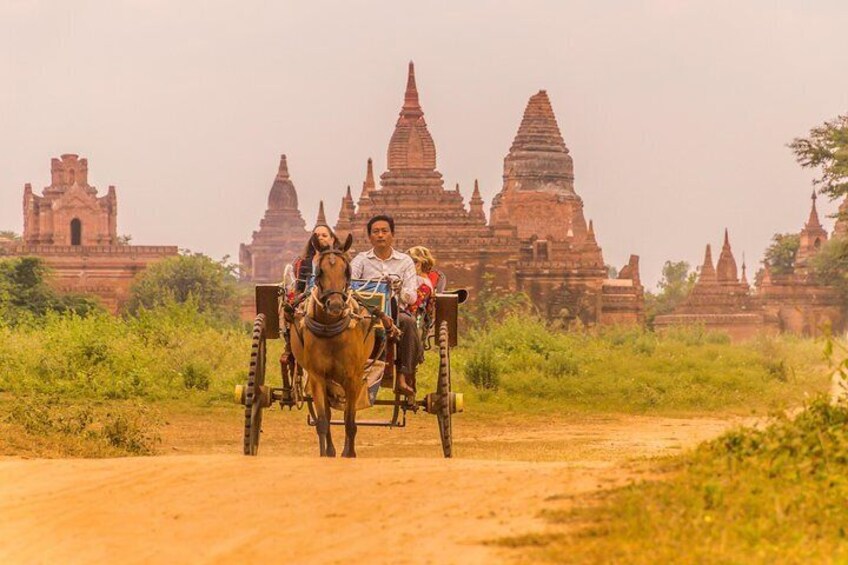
pixel 677 113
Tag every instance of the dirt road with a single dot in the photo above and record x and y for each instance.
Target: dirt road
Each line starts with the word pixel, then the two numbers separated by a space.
pixel 221 507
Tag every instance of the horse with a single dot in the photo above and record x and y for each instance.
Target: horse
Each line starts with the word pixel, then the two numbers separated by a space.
pixel 332 338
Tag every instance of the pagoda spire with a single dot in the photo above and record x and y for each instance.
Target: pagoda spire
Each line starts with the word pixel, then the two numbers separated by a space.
pixel 590 234
pixel 744 279
pixel 368 185
pixel 813 221
pixel 322 218
pixel 726 266
pixel 348 210
pixel 411 106
pixel 708 273
pixel 476 211
pixel 283 170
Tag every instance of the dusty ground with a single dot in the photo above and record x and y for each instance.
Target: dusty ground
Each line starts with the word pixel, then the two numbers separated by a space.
pixel 400 502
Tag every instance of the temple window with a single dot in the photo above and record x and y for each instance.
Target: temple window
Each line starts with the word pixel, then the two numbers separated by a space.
pixel 540 250
pixel 76 232
pixel 817 243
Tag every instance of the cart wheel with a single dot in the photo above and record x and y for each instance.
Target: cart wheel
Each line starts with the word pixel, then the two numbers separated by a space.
pixel 253 400
pixel 443 392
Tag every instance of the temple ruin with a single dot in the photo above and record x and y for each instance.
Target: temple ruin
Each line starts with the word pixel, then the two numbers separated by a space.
pixel 74 231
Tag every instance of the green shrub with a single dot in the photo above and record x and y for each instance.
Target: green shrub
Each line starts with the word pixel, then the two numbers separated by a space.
pixel 84 427
pixel 482 369
pixel 561 364
pixel 196 376
pixel 771 495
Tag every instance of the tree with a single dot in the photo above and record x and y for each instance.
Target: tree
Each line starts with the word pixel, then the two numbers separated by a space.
pixel 674 286
pixel 780 255
pixel 826 149
pixel 8 235
pixel 191 276
pixel 830 264
pixel 24 292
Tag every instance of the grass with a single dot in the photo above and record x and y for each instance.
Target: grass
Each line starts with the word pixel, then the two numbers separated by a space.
pixel 517 367
pixel 521 366
pixel 751 496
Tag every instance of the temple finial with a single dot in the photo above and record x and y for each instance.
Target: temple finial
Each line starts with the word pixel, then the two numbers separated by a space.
pixel 410 98
pixel 322 219
pixel 283 171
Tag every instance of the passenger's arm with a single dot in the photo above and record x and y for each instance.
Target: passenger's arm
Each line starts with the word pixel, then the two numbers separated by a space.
pixel 409 290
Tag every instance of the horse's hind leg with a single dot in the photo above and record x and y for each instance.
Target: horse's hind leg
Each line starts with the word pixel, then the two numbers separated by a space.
pixel 350 427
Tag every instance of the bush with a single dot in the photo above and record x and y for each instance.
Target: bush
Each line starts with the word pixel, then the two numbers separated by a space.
pixel 772 495
pixel 210 285
pixel 482 369
pixel 25 296
pixel 628 369
pixel 561 364
pixel 84 427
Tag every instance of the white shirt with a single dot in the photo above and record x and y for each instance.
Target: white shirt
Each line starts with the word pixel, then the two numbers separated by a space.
pixel 367 265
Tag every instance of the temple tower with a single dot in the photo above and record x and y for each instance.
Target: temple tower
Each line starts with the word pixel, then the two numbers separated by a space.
pixel 69 212
pixel 412 191
pixel 281 236
pixel 812 237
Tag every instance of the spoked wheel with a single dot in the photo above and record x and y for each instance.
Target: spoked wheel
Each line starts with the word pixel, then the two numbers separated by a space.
pixel 254 402
pixel 443 392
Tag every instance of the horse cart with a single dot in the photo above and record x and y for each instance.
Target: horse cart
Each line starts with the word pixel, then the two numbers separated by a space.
pixel 437 330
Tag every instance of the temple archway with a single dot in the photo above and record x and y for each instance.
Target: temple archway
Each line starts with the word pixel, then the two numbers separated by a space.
pixel 76 232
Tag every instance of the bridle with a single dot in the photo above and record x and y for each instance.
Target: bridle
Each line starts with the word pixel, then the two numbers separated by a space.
pixel 325 295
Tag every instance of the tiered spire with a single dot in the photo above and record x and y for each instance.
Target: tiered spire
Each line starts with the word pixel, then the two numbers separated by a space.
pixel 283 195
pixel 539 130
pixel 813 221
pixel 708 272
pixel 538 159
pixel 476 204
pixel 322 219
pixel 744 279
pixel 411 106
pixel 726 266
pixel 411 146
pixel 590 233
pixel 348 209
pixel 368 184
pixel 283 170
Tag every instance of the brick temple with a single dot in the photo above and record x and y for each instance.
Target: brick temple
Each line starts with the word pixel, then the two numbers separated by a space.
pixel 791 302
pixel 536 240
pixel 74 231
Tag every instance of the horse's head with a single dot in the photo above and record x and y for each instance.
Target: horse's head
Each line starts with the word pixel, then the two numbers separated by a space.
pixel 332 277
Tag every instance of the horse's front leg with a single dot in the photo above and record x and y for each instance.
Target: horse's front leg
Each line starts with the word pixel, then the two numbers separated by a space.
pixel 322 420
pixel 331 449
pixel 350 424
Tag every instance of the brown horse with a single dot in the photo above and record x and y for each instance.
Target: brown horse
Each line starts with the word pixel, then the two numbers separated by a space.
pixel 331 339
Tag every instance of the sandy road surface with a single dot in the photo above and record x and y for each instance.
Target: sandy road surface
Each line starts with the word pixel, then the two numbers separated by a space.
pixel 222 507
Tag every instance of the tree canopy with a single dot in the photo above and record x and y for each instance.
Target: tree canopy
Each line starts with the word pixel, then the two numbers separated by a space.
pixel 24 292
pixel 674 286
pixel 208 283
pixel 780 255
pixel 826 149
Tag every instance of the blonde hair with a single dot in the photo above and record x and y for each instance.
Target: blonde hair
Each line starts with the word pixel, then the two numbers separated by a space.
pixel 422 255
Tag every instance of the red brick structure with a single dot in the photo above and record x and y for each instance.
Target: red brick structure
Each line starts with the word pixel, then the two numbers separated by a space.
pixel 795 302
pixel 720 300
pixel 791 302
pixel 75 232
pixel 537 241
pixel 281 236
